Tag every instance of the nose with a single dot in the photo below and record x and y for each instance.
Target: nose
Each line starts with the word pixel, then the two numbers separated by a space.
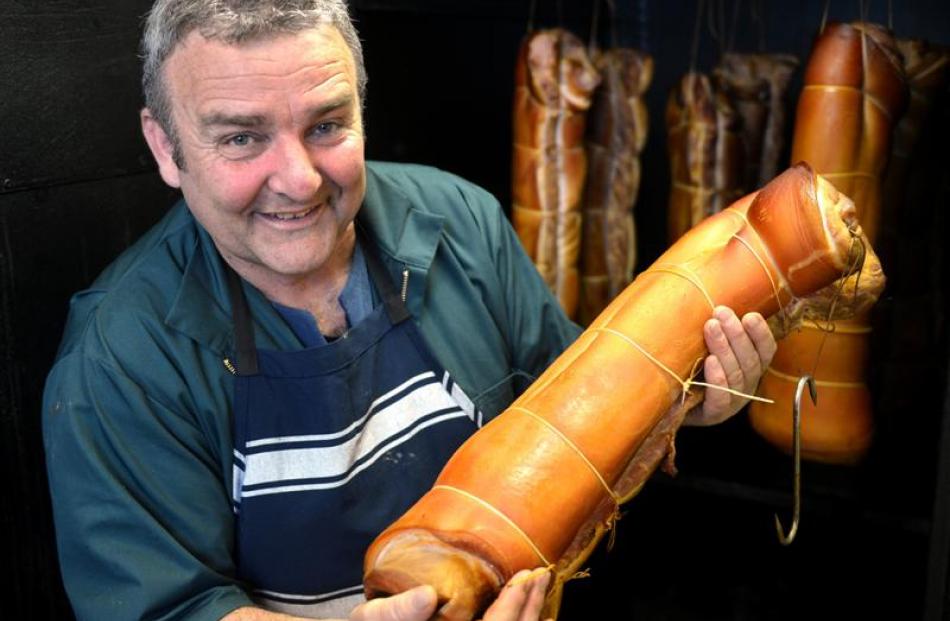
pixel 294 174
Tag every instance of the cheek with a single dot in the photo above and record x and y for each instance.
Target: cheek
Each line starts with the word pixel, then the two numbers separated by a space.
pixel 346 165
pixel 236 186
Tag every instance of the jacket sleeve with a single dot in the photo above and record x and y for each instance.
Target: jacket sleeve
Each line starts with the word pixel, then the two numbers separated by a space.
pixel 539 330
pixel 144 522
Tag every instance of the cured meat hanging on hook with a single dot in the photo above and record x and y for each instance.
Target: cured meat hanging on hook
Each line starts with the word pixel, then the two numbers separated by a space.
pixel 911 239
pixel 705 152
pixel 756 84
pixel 853 95
pixel 554 82
pixel 541 483
pixel 927 68
pixel 616 133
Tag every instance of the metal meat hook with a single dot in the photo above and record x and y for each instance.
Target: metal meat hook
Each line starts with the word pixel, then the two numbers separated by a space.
pixel 797 457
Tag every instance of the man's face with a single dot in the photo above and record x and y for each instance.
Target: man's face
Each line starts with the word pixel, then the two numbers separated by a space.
pixel 272 140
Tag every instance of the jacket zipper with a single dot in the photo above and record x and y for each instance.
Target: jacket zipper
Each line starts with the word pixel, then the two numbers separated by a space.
pixel 229 366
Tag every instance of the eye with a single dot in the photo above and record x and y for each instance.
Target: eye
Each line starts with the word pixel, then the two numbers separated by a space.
pixel 326 129
pixel 241 145
pixel 240 140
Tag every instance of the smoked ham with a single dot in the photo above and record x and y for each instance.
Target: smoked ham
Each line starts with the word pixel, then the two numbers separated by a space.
pixel 756 84
pixel 705 153
pixel 853 95
pixel 554 82
pixel 541 483
pixel 616 133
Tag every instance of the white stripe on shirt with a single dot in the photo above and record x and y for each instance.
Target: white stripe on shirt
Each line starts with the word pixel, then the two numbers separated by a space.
pixel 333 608
pixel 349 429
pixel 333 462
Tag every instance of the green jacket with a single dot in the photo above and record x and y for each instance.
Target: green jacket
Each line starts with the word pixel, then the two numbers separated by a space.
pixel 137 409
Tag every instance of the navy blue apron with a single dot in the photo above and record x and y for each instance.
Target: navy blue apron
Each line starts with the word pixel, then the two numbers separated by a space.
pixel 331 445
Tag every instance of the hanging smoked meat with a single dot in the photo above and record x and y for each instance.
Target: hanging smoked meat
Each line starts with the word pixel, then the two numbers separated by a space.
pixel 927 68
pixel 554 82
pixel 541 483
pixel 756 85
pixel 616 133
pixel 705 153
pixel 854 93
pixel 910 237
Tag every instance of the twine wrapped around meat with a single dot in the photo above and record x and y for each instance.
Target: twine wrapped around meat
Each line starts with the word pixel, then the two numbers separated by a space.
pixel 616 133
pixel 554 82
pixel 756 85
pixel 705 153
pixel 854 93
pixel 541 484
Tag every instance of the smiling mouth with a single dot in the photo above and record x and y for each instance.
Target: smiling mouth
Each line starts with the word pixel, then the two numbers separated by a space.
pixel 289 216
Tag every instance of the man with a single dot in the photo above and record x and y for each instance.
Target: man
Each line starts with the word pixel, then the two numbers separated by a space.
pixel 280 367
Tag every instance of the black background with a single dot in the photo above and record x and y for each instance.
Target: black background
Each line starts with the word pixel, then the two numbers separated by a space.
pixel 77 185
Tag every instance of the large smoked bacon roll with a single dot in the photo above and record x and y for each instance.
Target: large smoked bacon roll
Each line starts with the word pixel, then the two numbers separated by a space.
pixel 705 152
pixel 616 133
pixel 541 483
pixel 854 93
pixel 554 82
pixel 756 84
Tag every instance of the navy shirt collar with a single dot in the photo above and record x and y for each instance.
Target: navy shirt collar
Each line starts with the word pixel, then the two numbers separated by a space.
pixel 357 299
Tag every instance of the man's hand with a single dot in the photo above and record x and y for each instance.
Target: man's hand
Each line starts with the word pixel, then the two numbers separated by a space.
pixel 739 352
pixel 522 598
pixel 416 604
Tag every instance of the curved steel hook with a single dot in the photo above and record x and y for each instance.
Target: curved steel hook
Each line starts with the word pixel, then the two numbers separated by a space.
pixel 797 457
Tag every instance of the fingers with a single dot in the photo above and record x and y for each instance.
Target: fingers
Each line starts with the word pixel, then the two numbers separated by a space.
pixel 416 604
pixel 758 330
pixel 532 608
pixel 741 364
pixel 739 353
pixel 717 404
pixel 521 599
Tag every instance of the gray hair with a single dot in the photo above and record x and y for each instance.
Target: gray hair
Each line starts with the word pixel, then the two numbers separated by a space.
pixel 232 22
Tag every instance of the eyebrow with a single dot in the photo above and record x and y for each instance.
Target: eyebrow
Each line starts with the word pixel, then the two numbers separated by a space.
pixel 240 120
pixel 218 119
pixel 334 104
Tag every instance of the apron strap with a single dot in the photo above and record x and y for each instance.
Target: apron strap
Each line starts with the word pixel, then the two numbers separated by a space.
pixel 395 308
pixel 246 351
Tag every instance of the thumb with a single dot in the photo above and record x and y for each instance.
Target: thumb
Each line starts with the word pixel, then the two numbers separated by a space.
pixel 416 604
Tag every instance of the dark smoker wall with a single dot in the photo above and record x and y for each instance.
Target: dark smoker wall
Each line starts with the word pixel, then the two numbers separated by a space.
pixel 77 186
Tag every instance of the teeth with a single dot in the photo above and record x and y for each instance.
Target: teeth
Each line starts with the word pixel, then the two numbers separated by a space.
pixel 290 216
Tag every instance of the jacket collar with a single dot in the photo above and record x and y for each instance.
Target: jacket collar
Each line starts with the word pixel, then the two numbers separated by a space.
pixel 407 233
pixel 201 309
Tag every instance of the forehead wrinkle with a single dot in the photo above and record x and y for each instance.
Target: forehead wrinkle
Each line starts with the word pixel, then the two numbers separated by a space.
pixel 243 84
pixel 327 66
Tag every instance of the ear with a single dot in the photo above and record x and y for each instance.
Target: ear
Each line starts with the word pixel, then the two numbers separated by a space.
pixel 161 148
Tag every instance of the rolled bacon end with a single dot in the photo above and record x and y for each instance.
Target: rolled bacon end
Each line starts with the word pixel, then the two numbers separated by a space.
pixel 540 484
